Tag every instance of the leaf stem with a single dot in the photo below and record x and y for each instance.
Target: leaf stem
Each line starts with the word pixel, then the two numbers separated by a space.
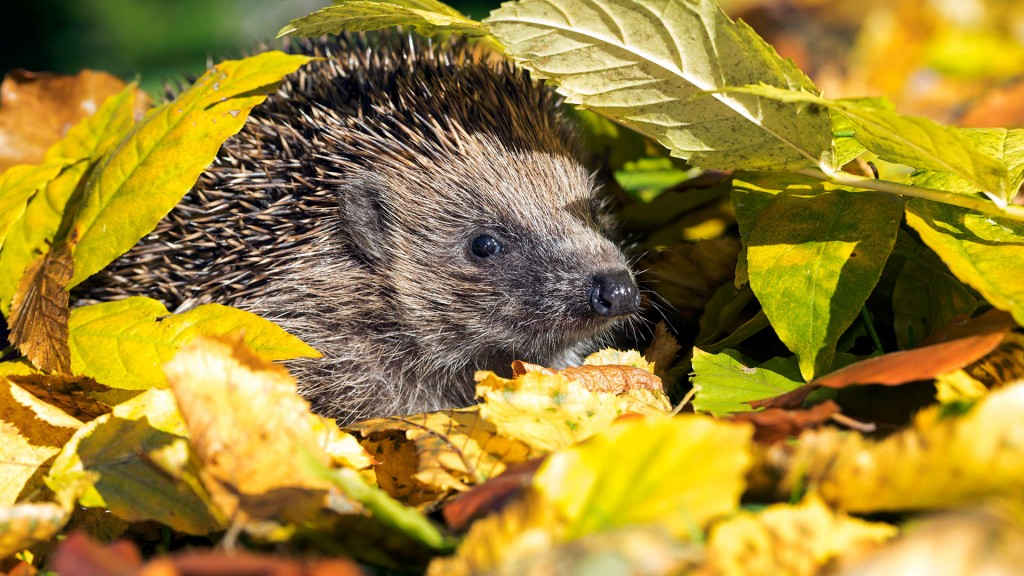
pixel 869 323
pixel 962 200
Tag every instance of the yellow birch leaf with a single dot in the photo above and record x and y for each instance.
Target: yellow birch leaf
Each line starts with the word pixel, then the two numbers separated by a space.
pixel 28 523
pixel 611 356
pixel 941 461
pixel 251 431
pixel 792 540
pixel 958 386
pixel 677 473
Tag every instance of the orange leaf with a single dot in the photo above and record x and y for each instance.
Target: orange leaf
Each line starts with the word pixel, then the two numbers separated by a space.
pixel 39 311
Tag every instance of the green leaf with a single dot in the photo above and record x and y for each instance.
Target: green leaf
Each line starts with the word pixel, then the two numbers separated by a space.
pixel 33 231
pixel 925 299
pixel 1000 143
pixel 136 462
pixel 17 185
pixel 727 382
pixel 124 344
pixel 427 16
pixel 985 252
pixel 156 164
pixel 650 66
pixel 813 260
pixel 911 140
pixel 676 473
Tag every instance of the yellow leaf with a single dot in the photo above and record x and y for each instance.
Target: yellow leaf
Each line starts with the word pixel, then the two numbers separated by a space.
pixel 958 386
pixel 611 356
pixel 251 431
pixel 124 461
pixel 677 473
pixel 942 460
pixel 28 523
pixel 164 154
pixel 39 311
pixel 791 540
pixel 124 343
pixel 31 434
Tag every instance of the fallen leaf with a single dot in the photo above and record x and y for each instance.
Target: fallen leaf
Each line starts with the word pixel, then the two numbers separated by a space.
pixel 972 340
pixel 37 109
pixel 548 411
pixel 28 523
pixel 987 539
pixel 677 473
pixel 776 424
pixel 999 107
pixel 794 540
pixel 31 434
pixel 136 463
pixel 251 431
pixel 71 394
pixel 728 382
pixel 662 350
pixel 421 458
pixel 39 311
pixel 490 496
pixel 942 460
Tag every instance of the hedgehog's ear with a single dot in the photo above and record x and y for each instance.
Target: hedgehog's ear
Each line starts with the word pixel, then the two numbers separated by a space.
pixel 363 215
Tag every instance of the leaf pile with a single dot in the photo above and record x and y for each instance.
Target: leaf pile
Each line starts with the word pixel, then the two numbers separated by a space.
pixel 852 278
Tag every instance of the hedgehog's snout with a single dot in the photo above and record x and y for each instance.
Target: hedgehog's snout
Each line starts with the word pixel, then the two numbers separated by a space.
pixel 614 293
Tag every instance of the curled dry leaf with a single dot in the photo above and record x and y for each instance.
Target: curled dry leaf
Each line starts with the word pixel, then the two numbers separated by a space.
pixel 251 431
pixel 663 349
pixel 491 496
pixel 799 540
pixel 39 311
pixel 36 109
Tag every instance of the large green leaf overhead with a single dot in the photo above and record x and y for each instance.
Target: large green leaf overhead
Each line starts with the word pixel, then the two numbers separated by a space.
pixel 649 64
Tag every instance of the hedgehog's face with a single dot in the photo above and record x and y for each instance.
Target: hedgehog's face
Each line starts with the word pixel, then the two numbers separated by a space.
pixel 502 255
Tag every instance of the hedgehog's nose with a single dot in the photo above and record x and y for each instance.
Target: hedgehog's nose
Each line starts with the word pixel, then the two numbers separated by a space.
pixel 614 294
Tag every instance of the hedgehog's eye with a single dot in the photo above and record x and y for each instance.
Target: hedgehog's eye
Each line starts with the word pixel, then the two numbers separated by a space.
pixel 485 246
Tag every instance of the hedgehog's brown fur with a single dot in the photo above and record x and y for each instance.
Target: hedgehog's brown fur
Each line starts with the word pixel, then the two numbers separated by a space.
pixel 343 209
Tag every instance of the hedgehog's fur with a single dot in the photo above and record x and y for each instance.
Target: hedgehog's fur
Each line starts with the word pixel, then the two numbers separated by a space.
pixel 343 209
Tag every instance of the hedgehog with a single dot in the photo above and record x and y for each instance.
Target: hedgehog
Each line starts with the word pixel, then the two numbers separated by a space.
pixel 414 210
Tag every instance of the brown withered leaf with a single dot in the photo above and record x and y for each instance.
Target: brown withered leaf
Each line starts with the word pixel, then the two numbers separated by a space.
pixel 80 555
pixel 1004 365
pixel 420 459
pixel 251 431
pixel 663 349
pixel 614 378
pixel 40 313
pixel 72 394
pixel 688 274
pixel 491 496
pixel 37 109
pixel 959 345
pixel 776 424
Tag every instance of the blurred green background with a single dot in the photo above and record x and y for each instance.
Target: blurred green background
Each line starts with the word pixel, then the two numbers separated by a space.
pixel 157 40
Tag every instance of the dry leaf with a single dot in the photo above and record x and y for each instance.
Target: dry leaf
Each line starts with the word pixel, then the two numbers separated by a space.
pixel 943 460
pixel 422 458
pixel 491 496
pixel 31 434
pixel 72 394
pixel 547 410
pixel 250 429
pixel 37 109
pixel 28 523
pixel 39 312
pixel 792 540
pixel 663 349
pixel 776 424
